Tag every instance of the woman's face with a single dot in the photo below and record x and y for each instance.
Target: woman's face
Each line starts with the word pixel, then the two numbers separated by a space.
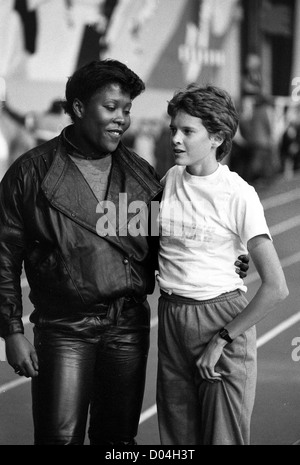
pixel 192 145
pixel 102 121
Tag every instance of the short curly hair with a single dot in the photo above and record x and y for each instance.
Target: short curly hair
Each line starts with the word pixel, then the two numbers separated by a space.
pixel 95 76
pixel 214 107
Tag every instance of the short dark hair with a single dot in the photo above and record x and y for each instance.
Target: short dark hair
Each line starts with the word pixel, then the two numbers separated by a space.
pixel 214 107
pixel 96 75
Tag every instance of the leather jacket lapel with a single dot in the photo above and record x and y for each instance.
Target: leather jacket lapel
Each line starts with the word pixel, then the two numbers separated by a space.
pixel 127 177
pixel 59 188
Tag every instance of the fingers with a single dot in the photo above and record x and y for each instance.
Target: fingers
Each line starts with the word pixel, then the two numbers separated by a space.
pixel 212 377
pixel 26 368
pixel 18 370
pixel 209 374
pixel 244 258
pixel 242 274
pixel 242 265
pixel 35 362
pixel 29 369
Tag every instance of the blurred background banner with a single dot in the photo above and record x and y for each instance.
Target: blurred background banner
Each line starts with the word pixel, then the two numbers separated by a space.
pixel 249 47
pixel 167 42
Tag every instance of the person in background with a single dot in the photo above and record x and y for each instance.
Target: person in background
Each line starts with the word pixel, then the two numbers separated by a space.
pixel 289 145
pixel 240 155
pixel 252 76
pixel 264 162
pixel 206 377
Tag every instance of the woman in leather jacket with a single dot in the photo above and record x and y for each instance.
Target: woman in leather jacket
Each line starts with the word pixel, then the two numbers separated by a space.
pixel 88 284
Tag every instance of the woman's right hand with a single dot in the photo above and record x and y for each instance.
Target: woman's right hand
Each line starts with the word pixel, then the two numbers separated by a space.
pixel 21 355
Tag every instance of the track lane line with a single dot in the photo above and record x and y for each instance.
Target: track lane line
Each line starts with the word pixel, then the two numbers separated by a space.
pixel 13 384
pixel 281 199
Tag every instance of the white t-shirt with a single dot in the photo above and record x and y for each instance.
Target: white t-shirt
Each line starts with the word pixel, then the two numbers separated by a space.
pixel 205 224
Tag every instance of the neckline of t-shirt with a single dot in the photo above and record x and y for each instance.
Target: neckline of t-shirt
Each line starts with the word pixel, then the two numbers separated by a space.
pixel 195 179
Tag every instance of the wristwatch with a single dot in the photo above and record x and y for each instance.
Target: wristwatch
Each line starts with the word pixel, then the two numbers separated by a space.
pixel 223 333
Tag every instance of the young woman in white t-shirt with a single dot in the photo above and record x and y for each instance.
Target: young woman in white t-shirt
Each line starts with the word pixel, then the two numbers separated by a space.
pixel 207 339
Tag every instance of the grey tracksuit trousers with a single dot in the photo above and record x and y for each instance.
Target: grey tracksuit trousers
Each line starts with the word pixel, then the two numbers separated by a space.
pixel 192 411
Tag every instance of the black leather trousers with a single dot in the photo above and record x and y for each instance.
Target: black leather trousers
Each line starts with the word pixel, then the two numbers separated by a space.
pixel 88 370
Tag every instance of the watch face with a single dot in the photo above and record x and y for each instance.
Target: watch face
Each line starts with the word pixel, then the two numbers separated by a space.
pixel 224 334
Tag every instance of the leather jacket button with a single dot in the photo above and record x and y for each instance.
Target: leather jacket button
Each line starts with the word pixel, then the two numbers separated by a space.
pixel 125 261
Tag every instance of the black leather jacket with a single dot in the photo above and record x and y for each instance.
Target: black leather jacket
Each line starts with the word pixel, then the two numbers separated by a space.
pixel 48 218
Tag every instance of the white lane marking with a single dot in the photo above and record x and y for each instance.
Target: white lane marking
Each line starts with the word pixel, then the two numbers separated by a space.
pixel 281 199
pixel 24 282
pixel 278 329
pixel 25 320
pixel 285 226
pixel 13 384
pixel 150 412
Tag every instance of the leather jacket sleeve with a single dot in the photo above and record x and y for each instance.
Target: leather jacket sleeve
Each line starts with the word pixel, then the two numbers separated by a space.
pixel 11 252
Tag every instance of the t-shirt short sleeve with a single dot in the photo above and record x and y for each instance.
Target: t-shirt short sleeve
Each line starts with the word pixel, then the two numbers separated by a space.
pixel 249 215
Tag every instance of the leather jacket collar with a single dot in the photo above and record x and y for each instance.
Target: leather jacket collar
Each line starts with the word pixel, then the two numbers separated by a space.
pixel 128 175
